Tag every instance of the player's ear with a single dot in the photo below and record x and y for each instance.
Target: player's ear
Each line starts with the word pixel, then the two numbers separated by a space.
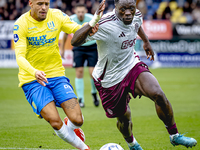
pixel 30 3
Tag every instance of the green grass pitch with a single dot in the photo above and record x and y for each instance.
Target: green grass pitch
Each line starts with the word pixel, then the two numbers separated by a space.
pixel 20 128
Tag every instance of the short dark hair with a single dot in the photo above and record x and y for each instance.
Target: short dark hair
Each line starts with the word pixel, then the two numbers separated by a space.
pixel 117 1
pixel 80 5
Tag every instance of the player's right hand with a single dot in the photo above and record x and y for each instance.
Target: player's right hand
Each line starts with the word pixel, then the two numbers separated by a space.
pixel 149 51
pixel 101 8
pixel 41 77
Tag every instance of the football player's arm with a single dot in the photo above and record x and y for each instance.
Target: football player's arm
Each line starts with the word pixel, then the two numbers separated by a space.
pixel 20 52
pixel 25 65
pixel 147 46
pixel 82 33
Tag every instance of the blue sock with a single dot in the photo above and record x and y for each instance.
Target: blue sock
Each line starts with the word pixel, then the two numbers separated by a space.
pixel 79 84
pixel 93 90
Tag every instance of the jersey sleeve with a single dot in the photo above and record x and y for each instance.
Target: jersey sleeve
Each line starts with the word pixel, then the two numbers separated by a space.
pixel 138 18
pixel 68 25
pixel 101 34
pixel 20 44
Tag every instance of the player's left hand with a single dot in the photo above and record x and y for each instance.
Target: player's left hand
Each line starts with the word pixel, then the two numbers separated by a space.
pixel 94 29
pixel 149 51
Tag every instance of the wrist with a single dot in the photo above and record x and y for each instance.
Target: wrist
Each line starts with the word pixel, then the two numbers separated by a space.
pixel 146 41
pixel 34 72
pixel 94 20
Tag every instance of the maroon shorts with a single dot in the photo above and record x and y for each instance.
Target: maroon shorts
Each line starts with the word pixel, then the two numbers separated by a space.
pixel 116 98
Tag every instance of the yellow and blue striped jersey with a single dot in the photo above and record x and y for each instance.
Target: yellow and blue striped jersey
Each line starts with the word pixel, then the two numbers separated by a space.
pixel 36 44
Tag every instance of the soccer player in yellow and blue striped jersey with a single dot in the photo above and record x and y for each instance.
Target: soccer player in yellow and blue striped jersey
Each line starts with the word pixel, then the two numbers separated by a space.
pixel 41 74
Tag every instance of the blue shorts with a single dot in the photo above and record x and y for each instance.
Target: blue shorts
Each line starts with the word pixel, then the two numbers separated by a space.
pixel 58 90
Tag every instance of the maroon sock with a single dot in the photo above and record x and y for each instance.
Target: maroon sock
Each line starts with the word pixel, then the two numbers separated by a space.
pixel 172 130
pixel 130 139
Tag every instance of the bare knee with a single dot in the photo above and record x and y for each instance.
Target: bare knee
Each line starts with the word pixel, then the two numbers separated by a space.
pixel 77 121
pixel 56 123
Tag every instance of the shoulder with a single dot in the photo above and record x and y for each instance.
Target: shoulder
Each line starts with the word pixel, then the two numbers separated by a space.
pixel 22 21
pixel 138 13
pixel 57 13
pixel 108 18
pixel 22 18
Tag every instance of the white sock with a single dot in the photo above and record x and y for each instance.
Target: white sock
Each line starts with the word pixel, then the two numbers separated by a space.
pixel 172 136
pixel 132 143
pixel 69 136
pixel 71 125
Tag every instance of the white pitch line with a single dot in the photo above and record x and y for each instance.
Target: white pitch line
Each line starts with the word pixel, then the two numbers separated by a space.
pixel 32 148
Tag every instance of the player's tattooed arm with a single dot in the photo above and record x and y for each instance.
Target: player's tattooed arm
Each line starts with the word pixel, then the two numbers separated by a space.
pixel 147 46
pixel 89 28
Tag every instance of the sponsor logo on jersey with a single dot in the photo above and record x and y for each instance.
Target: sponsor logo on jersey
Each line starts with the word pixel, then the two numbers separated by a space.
pixel 51 25
pixel 122 35
pixel 16 38
pixel 41 40
pixel 16 28
pixel 128 43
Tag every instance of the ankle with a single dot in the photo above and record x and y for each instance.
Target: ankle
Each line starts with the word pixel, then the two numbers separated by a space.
pixel 172 129
pixel 130 141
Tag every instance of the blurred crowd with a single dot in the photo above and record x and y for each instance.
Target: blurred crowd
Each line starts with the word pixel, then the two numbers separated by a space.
pixel 177 11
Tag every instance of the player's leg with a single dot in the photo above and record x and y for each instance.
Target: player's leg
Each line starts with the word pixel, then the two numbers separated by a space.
pixel 147 85
pixel 93 88
pixel 124 124
pixel 92 57
pixel 50 114
pixel 65 97
pixel 115 103
pixel 79 85
pixel 79 59
pixel 73 112
pixel 42 101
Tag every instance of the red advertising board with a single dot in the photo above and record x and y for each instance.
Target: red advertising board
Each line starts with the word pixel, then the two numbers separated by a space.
pixel 158 29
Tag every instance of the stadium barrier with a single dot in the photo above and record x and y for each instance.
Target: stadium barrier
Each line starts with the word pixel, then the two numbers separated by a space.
pixel 175 45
